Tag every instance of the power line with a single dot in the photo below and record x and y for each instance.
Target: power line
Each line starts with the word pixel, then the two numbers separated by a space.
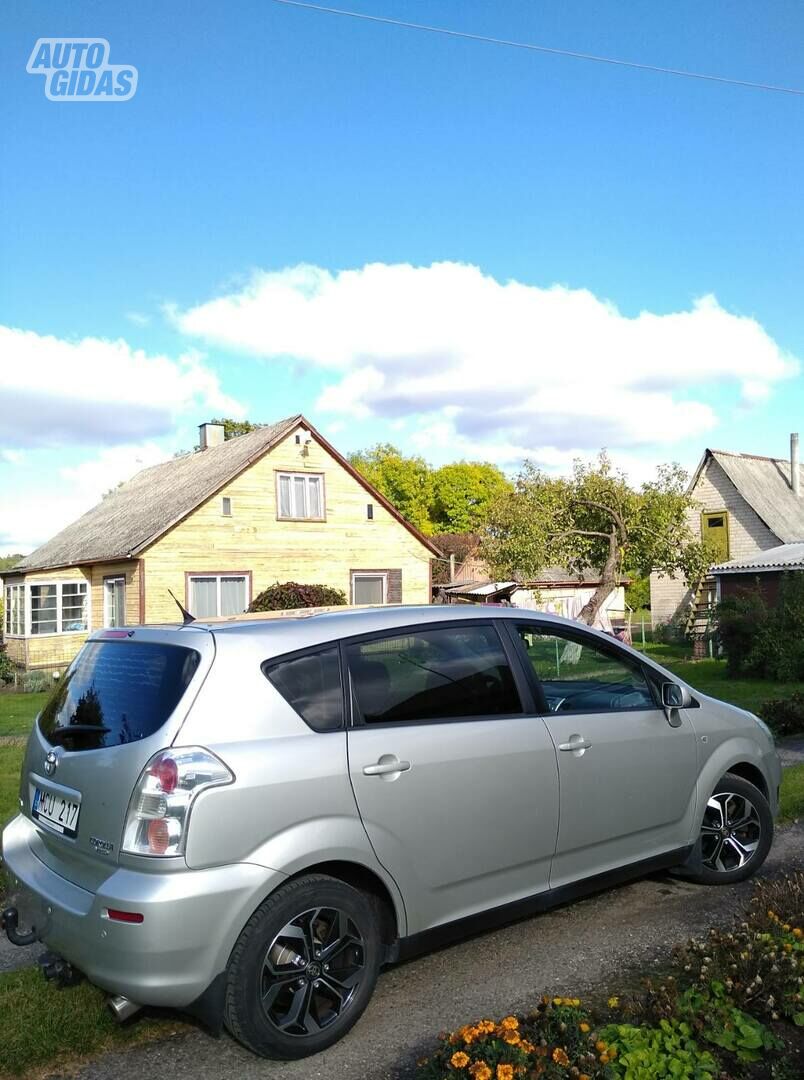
pixel 540 48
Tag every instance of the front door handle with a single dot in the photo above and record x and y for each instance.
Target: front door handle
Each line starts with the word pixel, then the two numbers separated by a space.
pixel 577 745
pixel 388 765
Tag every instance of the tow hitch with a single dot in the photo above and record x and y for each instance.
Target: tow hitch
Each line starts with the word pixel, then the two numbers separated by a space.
pixel 9 921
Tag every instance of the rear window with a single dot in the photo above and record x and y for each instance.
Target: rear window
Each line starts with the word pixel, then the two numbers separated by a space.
pixel 117 692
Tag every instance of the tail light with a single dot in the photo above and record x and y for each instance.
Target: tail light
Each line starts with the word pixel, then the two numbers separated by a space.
pixel 159 810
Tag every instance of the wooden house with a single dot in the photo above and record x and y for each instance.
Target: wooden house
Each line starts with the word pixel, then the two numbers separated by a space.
pixel 215 527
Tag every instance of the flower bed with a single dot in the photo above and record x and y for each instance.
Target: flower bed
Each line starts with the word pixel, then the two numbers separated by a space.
pixel 732 1006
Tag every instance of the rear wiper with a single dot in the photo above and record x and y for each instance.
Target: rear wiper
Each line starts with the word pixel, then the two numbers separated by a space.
pixel 77 729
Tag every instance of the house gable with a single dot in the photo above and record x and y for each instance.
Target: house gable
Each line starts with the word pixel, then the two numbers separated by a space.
pixel 713 490
pixel 253 539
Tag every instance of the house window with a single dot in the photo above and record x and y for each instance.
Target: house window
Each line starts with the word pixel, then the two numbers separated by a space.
pixel 369 588
pixel 226 506
pixel 59 607
pixel 211 595
pixel 300 496
pixel 114 601
pixel 370 511
pixel 15 610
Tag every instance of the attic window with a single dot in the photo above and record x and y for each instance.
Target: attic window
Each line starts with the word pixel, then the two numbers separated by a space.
pixel 226 506
pixel 370 511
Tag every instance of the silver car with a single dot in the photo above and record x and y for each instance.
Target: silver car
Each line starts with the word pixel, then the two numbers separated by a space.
pixel 248 820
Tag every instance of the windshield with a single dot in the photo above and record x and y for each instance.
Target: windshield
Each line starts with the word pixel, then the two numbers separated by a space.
pixel 117 692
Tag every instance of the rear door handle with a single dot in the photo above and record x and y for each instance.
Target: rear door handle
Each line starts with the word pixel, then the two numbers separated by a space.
pixel 386 766
pixel 576 743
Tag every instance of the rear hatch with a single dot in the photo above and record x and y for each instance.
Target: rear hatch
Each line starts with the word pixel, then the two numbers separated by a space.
pixel 123 699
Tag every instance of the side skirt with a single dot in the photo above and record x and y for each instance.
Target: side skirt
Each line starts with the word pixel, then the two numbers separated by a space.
pixel 445 934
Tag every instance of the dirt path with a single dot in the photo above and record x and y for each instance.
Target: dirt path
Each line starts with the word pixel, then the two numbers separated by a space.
pixel 564 951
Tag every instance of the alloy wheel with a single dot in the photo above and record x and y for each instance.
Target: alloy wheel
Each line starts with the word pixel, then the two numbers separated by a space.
pixel 730 833
pixel 312 971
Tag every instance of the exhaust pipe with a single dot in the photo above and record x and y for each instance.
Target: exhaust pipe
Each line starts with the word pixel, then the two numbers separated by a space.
pixel 121 1008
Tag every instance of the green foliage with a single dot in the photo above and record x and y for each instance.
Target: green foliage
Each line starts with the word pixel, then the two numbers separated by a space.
pixel 791 801
pixel 669 1050
pixel 233 428
pixel 637 594
pixel 293 595
pixel 34 682
pixel 726 1026
pixel 9 561
pixel 765 641
pixel 7 667
pixel 452 499
pixel 462 494
pixel 574 521
pixel 406 482
pixel 784 716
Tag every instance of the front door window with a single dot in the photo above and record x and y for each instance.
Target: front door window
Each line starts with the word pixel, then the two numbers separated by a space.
pixel 114 593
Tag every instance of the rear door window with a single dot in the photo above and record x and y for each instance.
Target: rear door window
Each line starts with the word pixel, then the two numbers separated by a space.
pixel 311 684
pixel 117 692
pixel 432 674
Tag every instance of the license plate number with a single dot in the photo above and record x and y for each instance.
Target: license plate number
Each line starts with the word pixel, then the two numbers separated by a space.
pixel 56 811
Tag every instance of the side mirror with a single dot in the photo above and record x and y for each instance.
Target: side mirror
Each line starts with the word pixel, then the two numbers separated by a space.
pixel 675 696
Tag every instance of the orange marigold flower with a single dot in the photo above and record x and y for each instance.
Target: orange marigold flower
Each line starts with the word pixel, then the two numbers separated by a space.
pixel 505 1072
pixel 584 1027
pixel 601 1047
pixel 584 1076
pixel 560 1057
pixel 528 1047
pixel 557 1001
pixel 796 932
pixel 480 1071
pixel 511 1037
pixel 459 1060
pixel 510 1022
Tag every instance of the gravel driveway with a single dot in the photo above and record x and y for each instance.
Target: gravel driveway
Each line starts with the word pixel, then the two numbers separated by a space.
pixel 564 951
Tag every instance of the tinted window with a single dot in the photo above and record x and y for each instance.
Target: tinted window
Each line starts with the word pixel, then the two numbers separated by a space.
pixel 578 676
pixel 311 684
pixel 116 692
pixel 432 675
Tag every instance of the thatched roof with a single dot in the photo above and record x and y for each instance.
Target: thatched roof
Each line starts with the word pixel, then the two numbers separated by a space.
pixel 136 513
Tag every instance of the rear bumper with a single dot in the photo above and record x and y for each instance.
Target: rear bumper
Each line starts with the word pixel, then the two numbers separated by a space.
pixel 191 920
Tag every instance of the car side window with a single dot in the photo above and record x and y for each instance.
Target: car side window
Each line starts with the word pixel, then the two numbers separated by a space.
pixel 311 684
pixel 416 676
pixel 578 675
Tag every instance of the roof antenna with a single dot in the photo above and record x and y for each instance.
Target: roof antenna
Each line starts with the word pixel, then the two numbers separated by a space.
pixel 187 618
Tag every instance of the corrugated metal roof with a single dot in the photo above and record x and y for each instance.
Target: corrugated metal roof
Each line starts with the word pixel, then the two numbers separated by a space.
pixel 764 483
pixel 783 557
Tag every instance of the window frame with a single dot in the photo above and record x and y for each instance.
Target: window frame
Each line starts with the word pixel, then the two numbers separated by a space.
pixel 107 580
pixel 59 583
pixel 21 611
pixel 226 505
pixel 279 473
pixel 581 638
pixel 383 574
pixel 189 575
pixel 522 685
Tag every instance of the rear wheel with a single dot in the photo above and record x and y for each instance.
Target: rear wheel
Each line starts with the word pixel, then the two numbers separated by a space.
pixel 303 969
pixel 736 834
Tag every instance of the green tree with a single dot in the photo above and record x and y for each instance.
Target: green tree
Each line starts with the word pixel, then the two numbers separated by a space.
pixel 406 482
pixel 593 518
pixel 8 561
pixel 462 494
pixel 233 428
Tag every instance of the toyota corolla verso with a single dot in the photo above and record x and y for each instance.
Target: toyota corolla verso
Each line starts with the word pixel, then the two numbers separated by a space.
pixel 247 820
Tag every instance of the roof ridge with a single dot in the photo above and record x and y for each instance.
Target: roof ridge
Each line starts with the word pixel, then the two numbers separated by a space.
pixel 753 457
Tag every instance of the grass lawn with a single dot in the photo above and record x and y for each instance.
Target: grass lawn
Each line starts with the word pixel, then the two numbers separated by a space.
pixel 17 712
pixel 792 794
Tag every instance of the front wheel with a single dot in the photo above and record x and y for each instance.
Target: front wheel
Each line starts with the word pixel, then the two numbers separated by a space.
pixel 736 834
pixel 303 969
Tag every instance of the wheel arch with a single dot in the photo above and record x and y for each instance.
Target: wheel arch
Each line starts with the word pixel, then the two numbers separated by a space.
pixel 748 771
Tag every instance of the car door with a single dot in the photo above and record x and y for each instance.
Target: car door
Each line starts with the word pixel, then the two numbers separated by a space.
pixel 455 777
pixel 627 777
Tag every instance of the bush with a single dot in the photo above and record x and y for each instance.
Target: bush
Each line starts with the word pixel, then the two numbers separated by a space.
pixel 784 716
pixel 34 682
pixel 767 643
pixel 292 595
pixel 7 667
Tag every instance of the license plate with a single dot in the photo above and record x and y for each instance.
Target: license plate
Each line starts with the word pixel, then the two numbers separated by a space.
pixel 56 811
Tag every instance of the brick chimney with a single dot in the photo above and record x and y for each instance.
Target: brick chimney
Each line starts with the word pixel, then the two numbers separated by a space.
pixel 795 474
pixel 210 435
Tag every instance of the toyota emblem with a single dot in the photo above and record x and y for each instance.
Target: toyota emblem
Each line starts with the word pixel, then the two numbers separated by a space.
pixel 51 762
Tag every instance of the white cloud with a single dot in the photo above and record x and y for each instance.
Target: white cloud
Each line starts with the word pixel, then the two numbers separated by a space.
pixel 506 363
pixel 97 392
pixel 59 496
pixel 138 318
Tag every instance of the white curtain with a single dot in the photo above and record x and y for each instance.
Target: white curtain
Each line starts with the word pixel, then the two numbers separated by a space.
pixel 204 597
pixel 233 595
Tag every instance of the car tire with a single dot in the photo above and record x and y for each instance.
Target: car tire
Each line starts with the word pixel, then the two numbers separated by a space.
pixel 304 968
pixel 735 837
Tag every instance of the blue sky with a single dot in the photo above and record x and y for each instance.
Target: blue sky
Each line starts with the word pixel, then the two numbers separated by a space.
pixel 263 138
